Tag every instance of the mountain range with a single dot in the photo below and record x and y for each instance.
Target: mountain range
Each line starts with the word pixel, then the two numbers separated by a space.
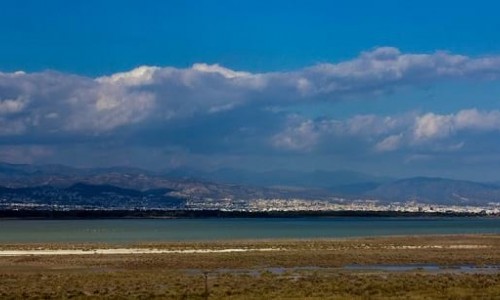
pixel 242 184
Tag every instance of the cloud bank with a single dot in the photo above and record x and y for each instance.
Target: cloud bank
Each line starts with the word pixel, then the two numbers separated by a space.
pixel 208 107
pixel 427 131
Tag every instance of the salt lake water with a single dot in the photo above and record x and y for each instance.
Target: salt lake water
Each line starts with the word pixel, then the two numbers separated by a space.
pixel 164 230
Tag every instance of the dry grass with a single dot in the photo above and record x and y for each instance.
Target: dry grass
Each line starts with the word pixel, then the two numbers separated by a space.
pixel 245 275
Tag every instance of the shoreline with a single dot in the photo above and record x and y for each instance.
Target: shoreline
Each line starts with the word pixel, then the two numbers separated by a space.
pixel 412 242
pixel 28 214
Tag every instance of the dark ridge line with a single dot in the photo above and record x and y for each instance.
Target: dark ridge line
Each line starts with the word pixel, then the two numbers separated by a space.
pixel 193 214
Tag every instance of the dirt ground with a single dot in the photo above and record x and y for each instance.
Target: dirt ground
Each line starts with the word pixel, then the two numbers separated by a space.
pixel 432 267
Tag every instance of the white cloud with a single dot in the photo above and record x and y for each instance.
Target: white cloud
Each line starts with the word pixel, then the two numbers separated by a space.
pixel 38 104
pixel 225 72
pixel 390 143
pixel 136 77
pixel 431 126
pixel 302 136
pixel 9 106
pixel 428 131
pixel 156 94
pixel 474 119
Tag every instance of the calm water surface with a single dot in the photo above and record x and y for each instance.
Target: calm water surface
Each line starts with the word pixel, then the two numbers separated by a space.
pixel 148 230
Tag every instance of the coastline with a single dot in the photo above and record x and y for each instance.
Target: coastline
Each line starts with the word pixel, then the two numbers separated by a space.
pixel 200 214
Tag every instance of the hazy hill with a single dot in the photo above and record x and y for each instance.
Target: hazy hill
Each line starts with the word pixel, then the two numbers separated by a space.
pixel 50 180
pixel 84 194
pixel 335 181
pixel 7 169
pixel 437 190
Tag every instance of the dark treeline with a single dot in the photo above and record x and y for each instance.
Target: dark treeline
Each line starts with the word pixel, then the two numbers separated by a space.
pixel 118 214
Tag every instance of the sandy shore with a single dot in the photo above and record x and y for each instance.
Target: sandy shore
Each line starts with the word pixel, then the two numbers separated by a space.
pixel 123 251
pixel 120 251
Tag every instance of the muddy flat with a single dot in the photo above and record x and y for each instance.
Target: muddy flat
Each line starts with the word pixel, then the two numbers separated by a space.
pixel 414 267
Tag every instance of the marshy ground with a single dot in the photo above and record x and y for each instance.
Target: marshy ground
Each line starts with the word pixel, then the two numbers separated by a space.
pixel 425 267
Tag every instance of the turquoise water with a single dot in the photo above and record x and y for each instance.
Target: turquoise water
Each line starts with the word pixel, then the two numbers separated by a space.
pixel 149 230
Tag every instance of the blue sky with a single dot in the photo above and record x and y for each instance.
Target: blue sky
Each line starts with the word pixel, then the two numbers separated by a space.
pixel 100 37
pixel 384 87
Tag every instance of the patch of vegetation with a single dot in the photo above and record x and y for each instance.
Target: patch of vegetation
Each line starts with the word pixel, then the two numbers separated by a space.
pixel 250 275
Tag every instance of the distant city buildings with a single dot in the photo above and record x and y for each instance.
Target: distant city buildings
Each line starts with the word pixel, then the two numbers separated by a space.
pixel 121 202
pixel 336 204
